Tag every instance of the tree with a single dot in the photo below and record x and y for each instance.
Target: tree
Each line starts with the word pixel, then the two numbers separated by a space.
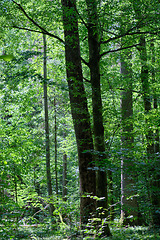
pixel 140 12
pixel 64 190
pixel 98 129
pixel 55 144
pixel 49 183
pixel 129 203
pixel 154 183
pixel 80 115
pixel 155 99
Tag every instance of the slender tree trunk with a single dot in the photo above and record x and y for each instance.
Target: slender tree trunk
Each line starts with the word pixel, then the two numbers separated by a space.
pixel 55 145
pixel 110 191
pixel 129 204
pixel 94 57
pixel 64 177
pixel 64 190
pixel 156 200
pixel 155 100
pixel 155 195
pixel 49 183
pixel 36 182
pixel 79 110
pixel 15 188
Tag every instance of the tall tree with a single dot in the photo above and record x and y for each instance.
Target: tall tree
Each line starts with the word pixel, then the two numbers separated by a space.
pixel 129 204
pixel 154 182
pixel 78 101
pixel 79 109
pixel 143 13
pixel 156 200
pixel 49 183
pixel 64 190
pixel 55 144
pixel 98 129
pixel 155 99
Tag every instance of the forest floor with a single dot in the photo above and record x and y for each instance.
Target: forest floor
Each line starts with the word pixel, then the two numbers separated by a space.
pixel 42 233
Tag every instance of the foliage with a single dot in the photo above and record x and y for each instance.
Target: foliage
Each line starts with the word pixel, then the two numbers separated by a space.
pixel 23 190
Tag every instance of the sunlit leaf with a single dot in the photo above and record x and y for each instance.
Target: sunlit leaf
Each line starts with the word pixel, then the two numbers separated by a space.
pixel 7 57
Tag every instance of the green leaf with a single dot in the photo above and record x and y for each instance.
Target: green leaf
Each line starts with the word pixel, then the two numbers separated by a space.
pixel 7 57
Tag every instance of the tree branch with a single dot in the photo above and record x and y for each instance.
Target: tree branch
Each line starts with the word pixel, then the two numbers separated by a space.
pixel 26 29
pixel 119 49
pixel 86 80
pixel 86 63
pixel 129 89
pixel 44 31
pixel 113 135
pixel 128 34
pixel 85 24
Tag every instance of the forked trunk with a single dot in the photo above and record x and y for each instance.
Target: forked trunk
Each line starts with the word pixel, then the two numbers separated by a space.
pixel 79 110
pixel 98 129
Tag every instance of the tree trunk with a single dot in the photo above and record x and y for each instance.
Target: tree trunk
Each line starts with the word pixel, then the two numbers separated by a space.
pixel 129 211
pixel 98 129
pixel 153 176
pixel 55 145
pixel 64 190
pixel 155 100
pixel 156 200
pixel 36 181
pixel 79 110
pixel 49 183
pixel 110 192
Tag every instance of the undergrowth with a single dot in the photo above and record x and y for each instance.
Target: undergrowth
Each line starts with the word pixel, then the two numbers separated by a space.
pixel 41 232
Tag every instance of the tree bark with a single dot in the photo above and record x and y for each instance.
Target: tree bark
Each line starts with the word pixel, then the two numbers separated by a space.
pixel 156 200
pixel 154 179
pixel 64 190
pixel 98 129
pixel 129 204
pixel 48 171
pixel 153 176
pixel 55 145
pixel 79 110
pixel 155 100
